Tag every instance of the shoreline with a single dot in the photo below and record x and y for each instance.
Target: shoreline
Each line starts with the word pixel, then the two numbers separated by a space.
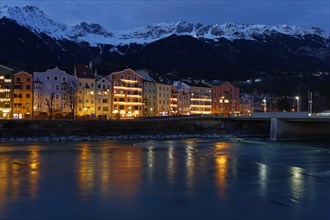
pixel 72 138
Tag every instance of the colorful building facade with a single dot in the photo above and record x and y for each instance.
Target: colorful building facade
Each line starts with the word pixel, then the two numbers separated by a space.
pixel 6 92
pixel 163 99
pixel 225 99
pixel 23 95
pixel 103 98
pixel 149 98
pixel 127 96
pixel 85 107
pixel 200 98
pixel 53 94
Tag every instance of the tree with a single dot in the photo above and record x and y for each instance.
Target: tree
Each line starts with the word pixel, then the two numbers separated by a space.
pixel 71 97
pixel 49 103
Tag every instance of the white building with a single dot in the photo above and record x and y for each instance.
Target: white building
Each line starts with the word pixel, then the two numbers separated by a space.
pixel 53 97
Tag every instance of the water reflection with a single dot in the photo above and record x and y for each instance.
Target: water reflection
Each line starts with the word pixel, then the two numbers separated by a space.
pixel 86 167
pixel 263 178
pixel 170 165
pixel 190 165
pixel 221 166
pixel 110 171
pixel 19 176
pixel 190 178
pixel 296 183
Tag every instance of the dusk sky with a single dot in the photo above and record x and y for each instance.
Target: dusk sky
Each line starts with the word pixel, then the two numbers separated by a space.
pixel 116 15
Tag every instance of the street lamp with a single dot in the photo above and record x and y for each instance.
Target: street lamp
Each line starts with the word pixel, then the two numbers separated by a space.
pixel 222 100
pixel 298 103
pixel 265 105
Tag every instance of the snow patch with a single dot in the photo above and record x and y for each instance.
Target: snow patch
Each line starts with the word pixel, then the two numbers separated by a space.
pixel 39 22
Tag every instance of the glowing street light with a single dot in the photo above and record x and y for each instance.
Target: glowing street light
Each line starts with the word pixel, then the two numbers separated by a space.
pixel 298 103
pixel 265 106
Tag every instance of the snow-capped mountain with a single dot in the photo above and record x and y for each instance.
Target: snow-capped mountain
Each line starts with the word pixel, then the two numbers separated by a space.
pixel 39 22
pixel 33 41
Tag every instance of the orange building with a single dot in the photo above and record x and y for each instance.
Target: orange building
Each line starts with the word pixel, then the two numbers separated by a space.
pixel 23 95
pixel 225 99
pixel 127 94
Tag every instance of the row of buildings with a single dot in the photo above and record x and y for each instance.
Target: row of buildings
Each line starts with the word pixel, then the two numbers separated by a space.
pixel 119 95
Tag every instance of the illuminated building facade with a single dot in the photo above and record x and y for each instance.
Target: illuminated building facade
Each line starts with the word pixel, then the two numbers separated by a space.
pixel 85 91
pixel 103 98
pixel 149 98
pixel 226 99
pixel 200 98
pixel 180 99
pixel 163 99
pixel 6 92
pixel 52 90
pixel 127 96
pixel 23 95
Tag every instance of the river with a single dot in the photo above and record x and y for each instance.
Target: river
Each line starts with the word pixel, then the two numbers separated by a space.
pixel 210 178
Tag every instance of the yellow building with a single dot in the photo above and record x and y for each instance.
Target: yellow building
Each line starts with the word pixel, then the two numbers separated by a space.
pixel 149 98
pixel 163 99
pixel 85 91
pixel 23 95
pixel 103 98
pixel 200 98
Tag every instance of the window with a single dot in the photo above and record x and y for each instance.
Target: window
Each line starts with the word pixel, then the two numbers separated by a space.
pixel 28 79
pixel 57 87
pixel 128 77
pixel 27 95
pixel 28 87
pixel 55 78
pixel 64 78
pixel 20 96
pixel 18 87
pixel 18 79
pixel 48 77
pixel 122 76
pixel 57 97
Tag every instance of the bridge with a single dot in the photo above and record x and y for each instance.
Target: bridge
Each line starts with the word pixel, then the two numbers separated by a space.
pixel 293 125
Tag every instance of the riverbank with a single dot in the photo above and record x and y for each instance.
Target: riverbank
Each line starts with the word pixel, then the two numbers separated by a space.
pixel 91 130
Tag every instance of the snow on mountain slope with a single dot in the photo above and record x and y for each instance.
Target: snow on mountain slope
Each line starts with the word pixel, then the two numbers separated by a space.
pixel 39 22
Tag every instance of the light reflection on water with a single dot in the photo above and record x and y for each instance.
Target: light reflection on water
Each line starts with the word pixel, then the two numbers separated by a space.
pixel 147 178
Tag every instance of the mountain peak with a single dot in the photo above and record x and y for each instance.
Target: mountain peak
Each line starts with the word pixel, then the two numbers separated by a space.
pixel 39 22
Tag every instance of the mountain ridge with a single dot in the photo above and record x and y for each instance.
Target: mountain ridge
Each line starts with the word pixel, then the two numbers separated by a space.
pixel 36 20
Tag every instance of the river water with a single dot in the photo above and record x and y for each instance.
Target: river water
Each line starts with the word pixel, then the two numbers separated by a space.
pixel 216 178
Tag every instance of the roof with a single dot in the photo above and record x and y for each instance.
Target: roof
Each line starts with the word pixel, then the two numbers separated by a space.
pixel 145 75
pixel 83 71
pixel 38 81
pixel 196 84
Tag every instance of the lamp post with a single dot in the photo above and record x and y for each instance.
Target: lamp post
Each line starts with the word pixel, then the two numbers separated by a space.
pixel 265 104
pixel 310 103
pixel 298 103
pixel 222 100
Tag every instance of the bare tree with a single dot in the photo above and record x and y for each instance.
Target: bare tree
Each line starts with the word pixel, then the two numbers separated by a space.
pixel 49 103
pixel 71 97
